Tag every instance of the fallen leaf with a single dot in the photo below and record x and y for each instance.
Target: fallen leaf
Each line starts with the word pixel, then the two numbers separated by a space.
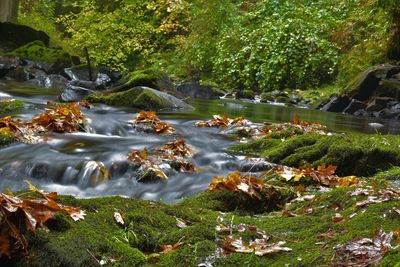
pixel 360 252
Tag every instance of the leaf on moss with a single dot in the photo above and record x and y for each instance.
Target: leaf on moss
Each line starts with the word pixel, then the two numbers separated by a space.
pixel 364 251
pixel 169 248
pixel 249 185
pixel 22 215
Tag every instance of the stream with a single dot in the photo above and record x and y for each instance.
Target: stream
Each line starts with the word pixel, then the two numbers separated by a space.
pixel 64 163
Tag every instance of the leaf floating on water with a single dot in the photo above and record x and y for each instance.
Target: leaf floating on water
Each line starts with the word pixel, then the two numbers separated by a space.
pixel 250 185
pixel 222 121
pixel 361 252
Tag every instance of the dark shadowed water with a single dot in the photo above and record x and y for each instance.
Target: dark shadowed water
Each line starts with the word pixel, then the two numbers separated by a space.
pixel 64 163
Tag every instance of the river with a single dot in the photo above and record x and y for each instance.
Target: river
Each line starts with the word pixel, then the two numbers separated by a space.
pixel 61 163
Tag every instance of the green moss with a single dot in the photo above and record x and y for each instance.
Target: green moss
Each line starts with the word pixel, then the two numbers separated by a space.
pixel 37 51
pixel 148 77
pixel 354 154
pixel 136 97
pixel 9 107
pixel 390 174
pixel 149 225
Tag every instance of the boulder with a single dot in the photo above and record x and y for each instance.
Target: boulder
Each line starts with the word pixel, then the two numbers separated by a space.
pixel 141 98
pixel 196 90
pixel 367 82
pixel 14 35
pixel 337 104
pixel 50 60
pixel 52 81
pixel 74 94
pixel 7 64
pixel 354 106
pixel 378 103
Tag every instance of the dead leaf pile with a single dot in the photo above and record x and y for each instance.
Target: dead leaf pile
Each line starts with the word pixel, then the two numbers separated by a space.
pixel 170 156
pixel 322 175
pixel 22 215
pixel 149 119
pixel 249 185
pixel 233 243
pixel 222 121
pixel 64 118
pixel 361 252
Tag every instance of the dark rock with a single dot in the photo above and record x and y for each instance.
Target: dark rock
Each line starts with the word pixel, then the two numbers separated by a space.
pixel 114 75
pixel 19 74
pixel 354 106
pixel 388 114
pixel 74 94
pixel 84 84
pixel 245 94
pixel 196 90
pixel 389 88
pixel 102 81
pixel 362 113
pixel 14 35
pixel 337 104
pixel 378 103
pixel 7 64
pixel 80 72
pixel 366 83
pixel 52 81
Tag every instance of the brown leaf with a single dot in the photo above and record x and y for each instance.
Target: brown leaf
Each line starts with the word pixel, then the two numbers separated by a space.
pixel 250 185
pixel 169 248
pixel 222 121
pixel 361 252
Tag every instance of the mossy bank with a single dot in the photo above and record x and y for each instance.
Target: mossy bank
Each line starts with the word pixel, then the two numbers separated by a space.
pixel 99 238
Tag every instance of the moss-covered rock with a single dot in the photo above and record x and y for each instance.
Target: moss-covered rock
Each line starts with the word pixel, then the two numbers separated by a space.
pixel 140 98
pixel 7 107
pixel 37 51
pixel 354 154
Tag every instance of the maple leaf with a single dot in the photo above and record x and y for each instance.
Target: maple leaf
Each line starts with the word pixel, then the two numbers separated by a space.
pixel 28 214
pixel 222 121
pixel 177 148
pixel 360 252
pixel 250 185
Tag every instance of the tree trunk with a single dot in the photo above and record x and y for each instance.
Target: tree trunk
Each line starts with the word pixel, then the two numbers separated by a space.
pixel 8 10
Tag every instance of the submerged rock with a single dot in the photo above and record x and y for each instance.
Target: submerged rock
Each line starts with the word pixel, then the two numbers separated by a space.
pixel 74 93
pixel 141 98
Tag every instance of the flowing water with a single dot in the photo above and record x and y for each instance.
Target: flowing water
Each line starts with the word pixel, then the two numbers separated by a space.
pixel 66 163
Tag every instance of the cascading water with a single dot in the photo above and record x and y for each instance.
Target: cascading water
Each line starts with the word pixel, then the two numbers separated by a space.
pixel 94 163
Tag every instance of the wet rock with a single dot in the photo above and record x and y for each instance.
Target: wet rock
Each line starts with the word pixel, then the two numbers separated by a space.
pixel 102 81
pixel 337 104
pixel 362 113
pixel 84 84
pixel 366 83
pixel 19 74
pixel 7 64
pixel 354 106
pixel 80 72
pixel 93 173
pixel 389 114
pixel 245 94
pixel 255 165
pixel 196 90
pixel 378 103
pixel 52 81
pixel 142 98
pixel 74 94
